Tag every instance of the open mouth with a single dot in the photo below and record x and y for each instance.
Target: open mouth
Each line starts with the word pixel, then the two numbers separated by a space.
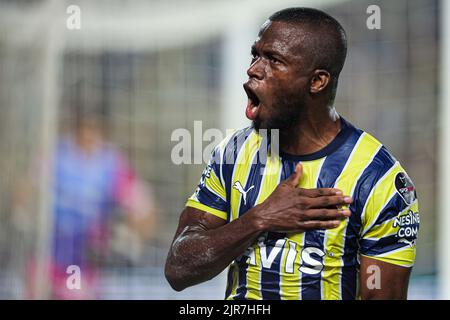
pixel 253 103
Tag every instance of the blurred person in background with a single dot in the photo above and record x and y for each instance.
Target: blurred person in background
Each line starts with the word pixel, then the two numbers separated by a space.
pixel 92 182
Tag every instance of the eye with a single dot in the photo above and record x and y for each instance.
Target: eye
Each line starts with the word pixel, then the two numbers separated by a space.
pixel 273 59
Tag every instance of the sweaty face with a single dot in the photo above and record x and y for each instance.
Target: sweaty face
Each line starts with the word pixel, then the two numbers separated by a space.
pixel 278 77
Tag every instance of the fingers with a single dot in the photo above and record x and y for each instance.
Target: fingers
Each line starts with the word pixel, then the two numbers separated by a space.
pixel 314 193
pixel 327 201
pixel 314 225
pixel 294 178
pixel 327 214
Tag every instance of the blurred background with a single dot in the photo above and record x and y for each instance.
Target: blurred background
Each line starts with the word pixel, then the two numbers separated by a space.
pixel 86 117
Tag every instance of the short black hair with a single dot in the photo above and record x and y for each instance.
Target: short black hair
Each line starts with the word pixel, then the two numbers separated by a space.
pixel 329 48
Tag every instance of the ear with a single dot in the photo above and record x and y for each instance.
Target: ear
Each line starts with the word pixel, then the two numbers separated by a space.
pixel 319 80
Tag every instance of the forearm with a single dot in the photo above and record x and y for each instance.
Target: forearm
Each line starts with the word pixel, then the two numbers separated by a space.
pixel 204 244
pixel 198 255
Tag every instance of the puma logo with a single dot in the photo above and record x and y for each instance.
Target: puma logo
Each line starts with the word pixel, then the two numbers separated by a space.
pixel 410 243
pixel 238 186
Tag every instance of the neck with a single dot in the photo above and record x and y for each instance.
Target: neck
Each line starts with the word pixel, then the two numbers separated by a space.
pixel 316 128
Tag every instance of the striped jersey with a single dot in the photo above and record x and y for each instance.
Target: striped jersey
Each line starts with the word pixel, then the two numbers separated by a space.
pixel 318 264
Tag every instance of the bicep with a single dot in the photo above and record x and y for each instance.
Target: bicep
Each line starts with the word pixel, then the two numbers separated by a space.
pixel 382 280
pixel 198 219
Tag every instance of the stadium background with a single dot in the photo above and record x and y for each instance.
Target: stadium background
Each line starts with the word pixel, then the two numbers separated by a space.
pixel 156 66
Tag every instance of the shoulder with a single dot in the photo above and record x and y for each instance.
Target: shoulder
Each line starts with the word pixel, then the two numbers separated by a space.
pixel 385 180
pixel 383 176
pixel 228 149
pixel 384 162
pixel 382 158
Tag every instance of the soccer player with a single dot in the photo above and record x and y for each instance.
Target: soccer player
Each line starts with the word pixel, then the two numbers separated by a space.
pixel 332 215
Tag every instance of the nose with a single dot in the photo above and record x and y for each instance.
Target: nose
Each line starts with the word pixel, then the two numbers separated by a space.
pixel 256 69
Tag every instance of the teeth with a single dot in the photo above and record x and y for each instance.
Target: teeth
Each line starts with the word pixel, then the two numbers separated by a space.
pixel 254 109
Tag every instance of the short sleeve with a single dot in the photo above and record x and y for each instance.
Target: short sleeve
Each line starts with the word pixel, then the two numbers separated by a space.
pixel 210 195
pixel 390 220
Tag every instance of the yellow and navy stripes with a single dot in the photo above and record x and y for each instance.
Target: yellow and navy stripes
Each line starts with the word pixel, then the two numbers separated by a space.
pixel 319 264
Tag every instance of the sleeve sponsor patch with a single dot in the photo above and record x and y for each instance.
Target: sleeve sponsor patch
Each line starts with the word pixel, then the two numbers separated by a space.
pixel 405 188
pixel 408 226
